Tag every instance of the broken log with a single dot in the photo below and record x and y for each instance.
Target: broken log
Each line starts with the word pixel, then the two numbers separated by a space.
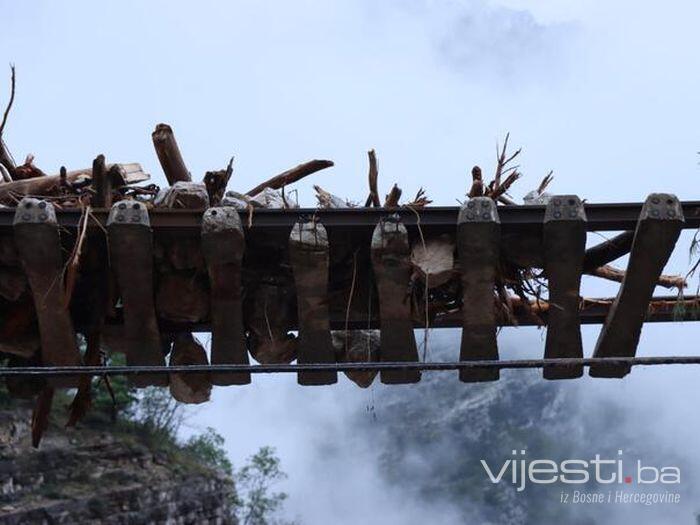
pixel 223 246
pixel 434 263
pixel 169 155
pixel 606 252
pixel 131 256
pixel 51 184
pixel 615 274
pixel 189 388
pixel 373 175
pixel 308 254
pixel 101 183
pixel 216 182
pixel 269 318
pixel 38 241
pixel 392 199
pixel 564 240
pixel 291 176
pixel 357 346
pixel 658 228
pixel 478 240
pixel 392 271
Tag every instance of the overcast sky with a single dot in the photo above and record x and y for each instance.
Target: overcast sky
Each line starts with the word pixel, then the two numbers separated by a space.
pixel 603 93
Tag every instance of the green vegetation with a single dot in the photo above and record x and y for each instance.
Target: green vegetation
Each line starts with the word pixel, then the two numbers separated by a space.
pixel 151 417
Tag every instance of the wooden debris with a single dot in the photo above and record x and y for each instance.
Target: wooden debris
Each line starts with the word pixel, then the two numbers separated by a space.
pixel 216 182
pixel 434 263
pixel 478 239
pixel 373 175
pixel 564 249
pixel 392 199
pixel 357 346
pixel 223 245
pixel 477 188
pixel 269 318
pixel 131 255
pixel 101 183
pixel 392 271
pixel 606 252
pixel 291 176
pixel 38 241
pixel 169 155
pixel 51 185
pixel 189 388
pixel 328 200
pixel 659 226
pixel 308 253
pixel 611 273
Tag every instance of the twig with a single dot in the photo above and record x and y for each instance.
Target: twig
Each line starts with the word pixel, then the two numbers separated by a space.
pixel 9 104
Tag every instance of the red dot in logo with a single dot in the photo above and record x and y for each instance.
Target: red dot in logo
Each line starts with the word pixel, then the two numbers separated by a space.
pixel 628 479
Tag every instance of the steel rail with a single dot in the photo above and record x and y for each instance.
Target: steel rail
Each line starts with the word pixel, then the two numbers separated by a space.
pixel 601 217
pixel 346 367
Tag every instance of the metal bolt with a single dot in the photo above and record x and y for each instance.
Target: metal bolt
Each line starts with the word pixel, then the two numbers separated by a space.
pixel 42 205
pixel 136 206
pixel 43 217
pixel 573 214
pixel 485 204
pixel 655 200
pixel 213 212
pixel 26 216
pixel 470 215
pixel 557 215
pixel 122 206
pixel 654 213
pixel 27 204
pixel 471 204
pixel 485 215
pixel 671 213
pixel 572 202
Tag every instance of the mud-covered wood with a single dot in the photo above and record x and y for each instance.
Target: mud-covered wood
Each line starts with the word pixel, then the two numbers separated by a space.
pixel 659 226
pixel 308 254
pixel 39 246
pixel 564 246
pixel 189 388
pixel 392 270
pixel 131 256
pixel 357 346
pixel 478 242
pixel 223 246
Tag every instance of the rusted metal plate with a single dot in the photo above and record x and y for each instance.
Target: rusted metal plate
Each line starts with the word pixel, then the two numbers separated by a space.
pixel 39 246
pixel 478 242
pixel 658 228
pixel 392 272
pixel 564 243
pixel 308 254
pixel 131 255
pixel 223 246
